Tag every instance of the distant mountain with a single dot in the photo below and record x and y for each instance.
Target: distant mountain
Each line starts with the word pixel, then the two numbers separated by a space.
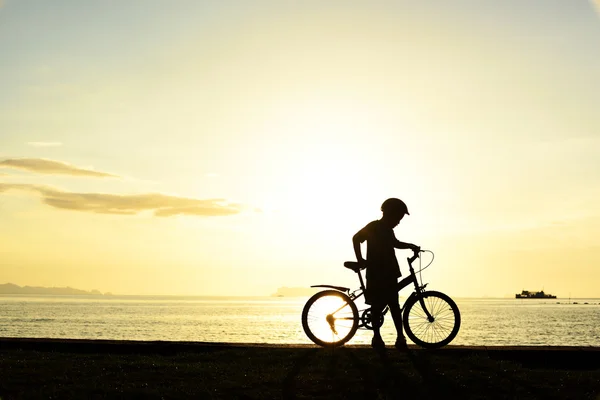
pixel 295 291
pixel 10 288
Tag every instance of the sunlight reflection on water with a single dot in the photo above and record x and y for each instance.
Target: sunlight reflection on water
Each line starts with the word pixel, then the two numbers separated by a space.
pixel 277 320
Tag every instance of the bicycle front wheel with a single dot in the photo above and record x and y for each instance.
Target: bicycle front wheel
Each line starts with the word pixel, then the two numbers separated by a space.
pixel 437 331
pixel 330 318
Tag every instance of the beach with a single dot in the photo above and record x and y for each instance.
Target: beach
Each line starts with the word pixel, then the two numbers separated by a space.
pixel 66 368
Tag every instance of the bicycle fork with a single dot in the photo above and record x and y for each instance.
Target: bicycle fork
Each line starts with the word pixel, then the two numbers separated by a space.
pixel 430 318
pixel 418 289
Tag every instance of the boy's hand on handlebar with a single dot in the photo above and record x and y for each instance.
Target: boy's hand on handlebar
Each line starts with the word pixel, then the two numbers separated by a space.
pixel 416 252
pixel 415 248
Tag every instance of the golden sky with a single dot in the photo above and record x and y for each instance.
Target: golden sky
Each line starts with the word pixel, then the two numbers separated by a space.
pixel 230 148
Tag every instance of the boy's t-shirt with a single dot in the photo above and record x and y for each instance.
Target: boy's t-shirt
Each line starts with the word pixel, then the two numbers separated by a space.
pixel 383 270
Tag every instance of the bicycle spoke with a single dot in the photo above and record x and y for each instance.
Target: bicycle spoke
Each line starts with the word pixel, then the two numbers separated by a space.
pixel 421 328
pixel 420 312
pixel 438 335
pixel 441 326
pixel 444 324
pixel 433 305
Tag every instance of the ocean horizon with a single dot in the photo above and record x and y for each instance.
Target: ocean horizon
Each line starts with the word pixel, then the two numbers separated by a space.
pixel 268 319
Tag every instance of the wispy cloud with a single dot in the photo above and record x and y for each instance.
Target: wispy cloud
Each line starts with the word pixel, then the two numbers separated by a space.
pixel 44 144
pixel 160 204
pixel 44 166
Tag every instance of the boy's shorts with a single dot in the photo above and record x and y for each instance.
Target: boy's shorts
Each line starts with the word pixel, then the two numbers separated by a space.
pixel 381 293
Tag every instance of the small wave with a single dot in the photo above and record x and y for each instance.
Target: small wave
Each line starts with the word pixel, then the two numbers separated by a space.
pixel 33 319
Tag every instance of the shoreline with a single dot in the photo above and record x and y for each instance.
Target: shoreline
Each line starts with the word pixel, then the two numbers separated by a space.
pixel 556 356
pixel 83 344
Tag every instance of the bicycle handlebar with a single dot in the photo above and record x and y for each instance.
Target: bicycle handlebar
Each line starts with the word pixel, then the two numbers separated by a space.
pixel 414 257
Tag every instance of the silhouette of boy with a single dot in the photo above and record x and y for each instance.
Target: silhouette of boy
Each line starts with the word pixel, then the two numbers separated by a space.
pixel 382 266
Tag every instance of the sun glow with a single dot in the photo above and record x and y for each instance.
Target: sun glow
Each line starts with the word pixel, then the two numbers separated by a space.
pixel 330 318
pixel 331 174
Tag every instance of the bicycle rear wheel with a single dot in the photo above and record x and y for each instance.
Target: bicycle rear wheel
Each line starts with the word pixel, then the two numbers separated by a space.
pixel 433 333
pixel 330 318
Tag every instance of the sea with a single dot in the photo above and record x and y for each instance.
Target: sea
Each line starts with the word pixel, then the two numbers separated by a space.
pixel 277 320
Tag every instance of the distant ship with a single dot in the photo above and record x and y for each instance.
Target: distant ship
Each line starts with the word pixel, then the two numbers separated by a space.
pixel 526 294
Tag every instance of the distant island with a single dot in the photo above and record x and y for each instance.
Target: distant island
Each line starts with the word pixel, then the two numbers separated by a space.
pixel 526 294
pixel 295 291
pixel 10 288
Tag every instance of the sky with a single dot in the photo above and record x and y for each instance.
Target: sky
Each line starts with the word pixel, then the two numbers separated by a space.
pixel 234 147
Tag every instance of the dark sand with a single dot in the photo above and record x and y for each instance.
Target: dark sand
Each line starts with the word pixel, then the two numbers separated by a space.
pixel 97 369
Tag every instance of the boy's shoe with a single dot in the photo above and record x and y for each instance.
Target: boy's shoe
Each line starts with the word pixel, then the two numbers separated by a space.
pixel 377 343
pixel 401 343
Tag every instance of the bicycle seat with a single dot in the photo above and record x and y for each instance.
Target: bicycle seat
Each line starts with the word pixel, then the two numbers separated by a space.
pixel 353 265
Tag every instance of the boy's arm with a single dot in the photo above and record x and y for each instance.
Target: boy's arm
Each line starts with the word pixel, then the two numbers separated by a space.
pixel 356 241
pixel 403 245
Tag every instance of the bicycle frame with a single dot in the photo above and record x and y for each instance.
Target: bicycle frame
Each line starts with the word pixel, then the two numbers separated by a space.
pixel 411 278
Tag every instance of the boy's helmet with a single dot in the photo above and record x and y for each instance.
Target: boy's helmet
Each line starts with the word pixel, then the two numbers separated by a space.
pixel 394 205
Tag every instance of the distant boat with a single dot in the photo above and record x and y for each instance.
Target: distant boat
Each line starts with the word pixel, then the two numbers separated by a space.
pixel 526 294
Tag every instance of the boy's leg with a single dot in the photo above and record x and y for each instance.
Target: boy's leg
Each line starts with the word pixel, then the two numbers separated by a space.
pixel 375 317
pixel 397 317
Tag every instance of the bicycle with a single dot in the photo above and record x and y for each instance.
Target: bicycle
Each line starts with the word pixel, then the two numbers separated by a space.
pixel 431 319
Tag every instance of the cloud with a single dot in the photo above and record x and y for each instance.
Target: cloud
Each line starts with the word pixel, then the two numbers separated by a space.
pixel 160 204
pixel 44 144
pixel 44 166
